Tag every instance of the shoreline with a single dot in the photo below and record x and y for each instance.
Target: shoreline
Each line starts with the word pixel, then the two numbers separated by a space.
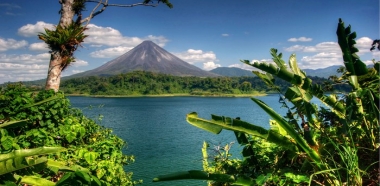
pixel 168 95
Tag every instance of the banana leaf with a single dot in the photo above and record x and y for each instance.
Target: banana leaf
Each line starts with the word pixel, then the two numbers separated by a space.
pixel 201 175
pixel 34 180
pixel 13 124
pixel 11 165
pixel 291 131
pixel 220 122
pixel 30 152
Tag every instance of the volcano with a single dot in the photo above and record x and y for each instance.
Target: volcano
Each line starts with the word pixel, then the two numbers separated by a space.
pixel 150 57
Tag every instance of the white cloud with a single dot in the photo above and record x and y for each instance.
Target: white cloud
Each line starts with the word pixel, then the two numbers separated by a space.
pixel 363 44
pixel 25 58
pixel 320 60
pixel 243 66
pixel 8 44
pixel 39 47
pixel 300 39
pixel 111 37
pixel 225 35
pixel 194 56
pixel 110 52
pixel 27 67
pixel 320 47
pixel 210 65
pixel 24 67
pixel 10 72
pixel 329 53
pixel 31 30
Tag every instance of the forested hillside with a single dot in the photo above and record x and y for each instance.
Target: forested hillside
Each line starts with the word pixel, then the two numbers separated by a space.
pixel 148 83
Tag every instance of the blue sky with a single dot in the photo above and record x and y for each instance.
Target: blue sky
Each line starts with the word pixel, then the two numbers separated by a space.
pixel 205 33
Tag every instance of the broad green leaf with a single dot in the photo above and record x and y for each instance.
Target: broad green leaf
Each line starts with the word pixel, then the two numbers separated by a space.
pixel 219 122
pixel 294 66
pixel 260 180
pixel 30 152
pixel 267 78
pixel 290 130
pixel 95 181
pixel 193 119
pixel 66 179
pixel 12 165
pixel 43 101
pixel 90 157
pixel 354 81
pixel 13 124
pixel 84 176
pixel 195 174
pixel 297 178
pixel 100 172
pixel 278 58
pixel 6 142
pixel 36 181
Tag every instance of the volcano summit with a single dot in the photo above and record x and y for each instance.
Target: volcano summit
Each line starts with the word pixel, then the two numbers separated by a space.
pixel 150 57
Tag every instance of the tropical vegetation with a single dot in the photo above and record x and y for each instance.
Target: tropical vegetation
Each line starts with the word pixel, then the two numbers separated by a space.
pixel 44 141
pixel 141 83
pixel 337 144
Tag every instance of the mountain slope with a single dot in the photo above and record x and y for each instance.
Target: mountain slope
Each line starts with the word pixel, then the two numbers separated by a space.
pixel 236 72
pixel 322 72
pixel 147 57
pixel 232 72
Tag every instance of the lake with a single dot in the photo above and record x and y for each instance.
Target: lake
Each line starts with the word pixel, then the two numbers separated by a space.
pixel 159 136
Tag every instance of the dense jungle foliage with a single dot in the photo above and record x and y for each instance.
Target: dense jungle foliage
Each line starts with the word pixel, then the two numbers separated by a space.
pixel 337 144
pixel 148 83
pixel 46 142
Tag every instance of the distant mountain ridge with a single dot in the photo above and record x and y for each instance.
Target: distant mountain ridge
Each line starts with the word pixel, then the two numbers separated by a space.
pixel 232 72
pixel 150 57
pixel 236 72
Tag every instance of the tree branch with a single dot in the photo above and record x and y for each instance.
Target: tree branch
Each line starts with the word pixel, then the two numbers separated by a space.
pixel 105 4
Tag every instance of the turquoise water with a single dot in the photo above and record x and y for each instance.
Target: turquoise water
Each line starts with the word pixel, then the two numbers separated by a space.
pixel 159 136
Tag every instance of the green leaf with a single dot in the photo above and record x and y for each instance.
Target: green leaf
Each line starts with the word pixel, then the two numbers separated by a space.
pixel 18 163
pixel 195 174
pixel 95 181
pixel 290 130
pixel 297 178
pixel 66 179
pixel 36 181
pixel 30 152
pixel 71 136
pixel 220 122
pixel 7 142
pixel 84 176
pixel 13 124
pixel 193 119
pixel 260 180
pixel 90 157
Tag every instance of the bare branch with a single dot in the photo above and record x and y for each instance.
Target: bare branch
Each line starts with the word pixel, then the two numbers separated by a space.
pixel 105 4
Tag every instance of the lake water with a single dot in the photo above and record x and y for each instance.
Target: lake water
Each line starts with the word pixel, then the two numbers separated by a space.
pixel 159 136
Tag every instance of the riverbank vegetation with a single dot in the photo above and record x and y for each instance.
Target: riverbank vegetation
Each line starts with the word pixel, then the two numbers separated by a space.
pixel 140 83
pixel 337 144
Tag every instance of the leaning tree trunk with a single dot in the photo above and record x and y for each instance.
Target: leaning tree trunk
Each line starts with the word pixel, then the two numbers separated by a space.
pixel 56 60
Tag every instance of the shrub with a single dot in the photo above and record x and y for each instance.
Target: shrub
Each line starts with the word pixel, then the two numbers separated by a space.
pixel 74 148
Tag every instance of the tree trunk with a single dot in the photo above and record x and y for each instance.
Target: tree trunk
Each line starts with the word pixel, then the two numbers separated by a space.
pixel 54 73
